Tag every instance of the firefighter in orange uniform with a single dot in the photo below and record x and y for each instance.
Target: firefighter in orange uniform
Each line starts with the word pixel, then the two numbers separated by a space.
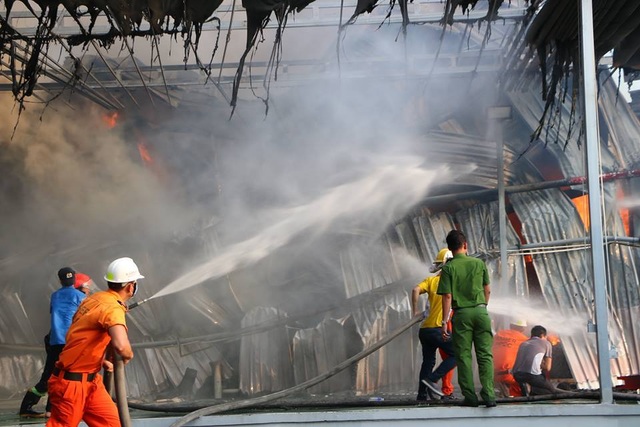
pixel 505 348
pixel 76 390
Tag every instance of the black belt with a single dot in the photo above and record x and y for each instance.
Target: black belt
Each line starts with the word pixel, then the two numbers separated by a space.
pixel 473 306
pixel 73 376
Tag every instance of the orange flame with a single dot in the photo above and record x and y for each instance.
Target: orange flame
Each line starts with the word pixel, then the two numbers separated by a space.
pixel 147 155
pixel 144 154
pixel 111 119
pixel 553 339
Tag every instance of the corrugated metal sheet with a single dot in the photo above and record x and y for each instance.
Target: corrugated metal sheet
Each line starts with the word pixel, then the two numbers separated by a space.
pixel 363 270
pixel 624 290
pixel 473 154
pixel 620 124
pixel 431 231
pixel 393 367
pixel 17 369
pixel 480 225
pixel 550 215
pixel 317 350
pixel 561 134
pixel 158 371
pixel 566 285
pixel 265 358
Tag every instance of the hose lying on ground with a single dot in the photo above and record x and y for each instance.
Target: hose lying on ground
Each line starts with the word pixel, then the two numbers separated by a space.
pixel 565 395
pixel 185 407
pixel 209 410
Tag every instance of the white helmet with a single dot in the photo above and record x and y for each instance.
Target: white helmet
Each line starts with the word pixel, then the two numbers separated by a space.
pixel 519 322
pixel 123 270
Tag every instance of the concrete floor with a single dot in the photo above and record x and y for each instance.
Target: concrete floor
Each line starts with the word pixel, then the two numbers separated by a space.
pixel 565 414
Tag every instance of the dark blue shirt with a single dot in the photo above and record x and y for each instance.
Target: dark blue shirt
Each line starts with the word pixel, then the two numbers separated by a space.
pixel 64 303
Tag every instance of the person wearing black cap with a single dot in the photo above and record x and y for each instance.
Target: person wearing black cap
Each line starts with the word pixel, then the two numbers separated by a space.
pixel 64 303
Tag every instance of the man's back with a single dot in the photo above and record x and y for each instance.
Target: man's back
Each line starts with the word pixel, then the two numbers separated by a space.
pixel 464 278
pixel 64 303
pixel 430 287
pixel 88 335
pixel 530 355
pixel 505 348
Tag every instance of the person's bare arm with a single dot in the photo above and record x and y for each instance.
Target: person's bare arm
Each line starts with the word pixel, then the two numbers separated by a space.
pixel 120 342
pixel 446 308
pixel 546 364
pixel 415 298
pixel 487 292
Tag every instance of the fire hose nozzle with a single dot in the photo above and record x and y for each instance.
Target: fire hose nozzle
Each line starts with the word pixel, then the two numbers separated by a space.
pixel 137 303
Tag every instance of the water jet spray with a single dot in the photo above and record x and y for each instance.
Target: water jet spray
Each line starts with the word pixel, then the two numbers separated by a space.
pixel 388 189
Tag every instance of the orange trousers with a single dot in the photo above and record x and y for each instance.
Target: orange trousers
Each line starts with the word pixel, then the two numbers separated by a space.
pixel 509 382
pixel 75 401
pixel 447 383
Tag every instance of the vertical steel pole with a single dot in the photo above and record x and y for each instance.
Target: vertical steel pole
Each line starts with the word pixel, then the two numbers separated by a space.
pixel 497 116
pixel 592 148
pixel 502 210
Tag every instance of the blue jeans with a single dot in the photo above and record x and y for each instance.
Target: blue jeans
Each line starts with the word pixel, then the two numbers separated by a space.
pixel 431 340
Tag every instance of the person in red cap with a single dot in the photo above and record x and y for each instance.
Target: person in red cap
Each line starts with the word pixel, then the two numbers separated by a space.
pixel 76 390
pixel 64 303
pixel 83 283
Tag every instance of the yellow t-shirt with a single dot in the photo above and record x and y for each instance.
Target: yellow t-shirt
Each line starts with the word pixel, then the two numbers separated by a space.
pixel 429 286
pixel 88 336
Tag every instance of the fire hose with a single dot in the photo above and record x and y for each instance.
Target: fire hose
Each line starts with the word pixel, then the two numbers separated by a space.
pixel 120 381
pixel 224 407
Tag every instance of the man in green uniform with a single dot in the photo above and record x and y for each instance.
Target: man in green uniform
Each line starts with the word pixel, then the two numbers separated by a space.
pixel 464 286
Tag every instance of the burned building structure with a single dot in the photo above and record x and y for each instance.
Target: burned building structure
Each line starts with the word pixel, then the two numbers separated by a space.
pixel 295 276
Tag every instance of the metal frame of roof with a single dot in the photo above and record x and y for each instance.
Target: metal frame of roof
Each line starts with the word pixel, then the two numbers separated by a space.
pixel 101 77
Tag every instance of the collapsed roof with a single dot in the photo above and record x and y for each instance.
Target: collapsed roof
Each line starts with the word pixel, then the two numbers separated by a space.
pixel 549 27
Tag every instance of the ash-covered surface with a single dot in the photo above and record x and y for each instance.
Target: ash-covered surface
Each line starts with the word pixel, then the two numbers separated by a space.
pixel 344 401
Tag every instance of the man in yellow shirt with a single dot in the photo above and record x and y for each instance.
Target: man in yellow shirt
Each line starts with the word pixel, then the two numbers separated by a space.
pixel 431 337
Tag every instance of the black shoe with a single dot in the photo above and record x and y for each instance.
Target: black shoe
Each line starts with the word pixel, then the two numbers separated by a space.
pixel 448 397
pixel 432 387
pixel 469 403
pixel 30 413
pixel 421 398
pixel 490 404
pixel 432 395
pixel 28 402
